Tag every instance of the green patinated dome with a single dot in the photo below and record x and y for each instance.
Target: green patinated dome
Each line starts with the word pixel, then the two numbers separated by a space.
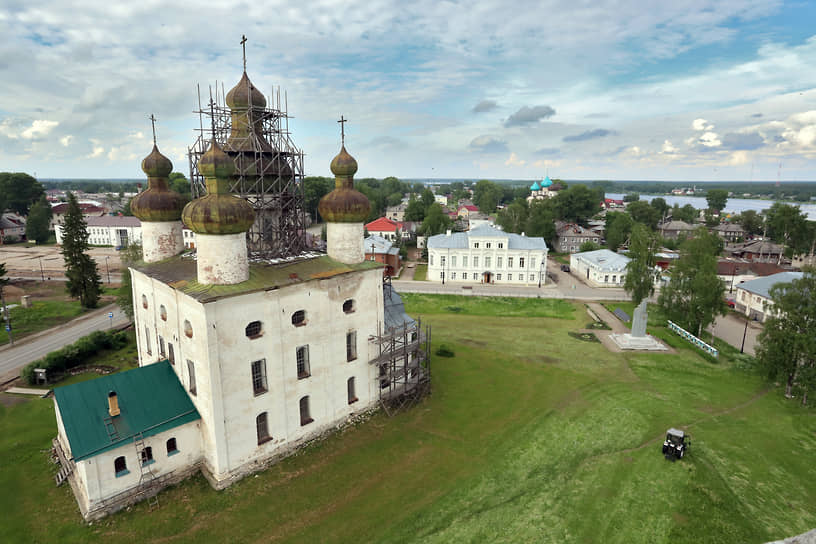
pixel 244 95
pixel 157 202
pixel 219 211
pixel 344 204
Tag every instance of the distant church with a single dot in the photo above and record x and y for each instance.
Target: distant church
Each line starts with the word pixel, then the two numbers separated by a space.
pixel 249 346
pixel 545 189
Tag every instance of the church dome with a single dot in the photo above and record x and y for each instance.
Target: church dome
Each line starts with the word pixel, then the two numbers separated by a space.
pixel 535 186
pixel 547 182
pixel 245 95
pixel 219 211
pixel 344 204
pixel 157 202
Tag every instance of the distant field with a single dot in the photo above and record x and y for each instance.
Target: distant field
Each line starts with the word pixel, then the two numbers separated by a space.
pixel 529 436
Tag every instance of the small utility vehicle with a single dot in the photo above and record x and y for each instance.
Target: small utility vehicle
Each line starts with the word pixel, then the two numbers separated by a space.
pixel 676 444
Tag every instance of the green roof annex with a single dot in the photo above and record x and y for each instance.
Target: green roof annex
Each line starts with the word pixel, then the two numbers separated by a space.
pixel 151 400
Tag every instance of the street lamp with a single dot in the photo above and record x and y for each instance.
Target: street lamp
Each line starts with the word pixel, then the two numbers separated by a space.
pixel 540 272
pixel 107 268
pixel 744 333
pixel 443 270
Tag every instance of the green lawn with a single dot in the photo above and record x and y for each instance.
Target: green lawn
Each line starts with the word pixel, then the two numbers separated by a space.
pixel 421 273
pixel 42 314
pixel 529 436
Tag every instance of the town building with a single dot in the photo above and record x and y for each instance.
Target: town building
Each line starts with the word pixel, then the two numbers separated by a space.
pixel 88 210
pixel 12 227
pixel 487 255
pixel 380 250
pixel 730 232
pixel 753 297
pixel 600 268
pixel 544 189
pixel 570 236
pixel 758 251
pixel 674 229
pixel 396 213
pixel 733 272
pixel 109 230
pixel 385 228
pixel 244 356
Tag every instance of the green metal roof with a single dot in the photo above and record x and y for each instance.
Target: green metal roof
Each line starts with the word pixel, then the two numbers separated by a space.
pixel 180 273
pixel 151 401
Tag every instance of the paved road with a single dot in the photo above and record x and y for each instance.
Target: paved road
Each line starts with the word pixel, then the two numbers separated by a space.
pixel 14 357
pixel 731 329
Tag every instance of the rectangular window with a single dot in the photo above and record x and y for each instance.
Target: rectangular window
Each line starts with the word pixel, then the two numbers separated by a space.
pixel 487 245
pixel 147 456
pixel 453 275
pixel 532 277
pixel 498 262
pixel 464 261
pixel 147 341
pixel 509 262
pixel 453 261
pixel 475 262
pixel 443 260
pixel 509 277
pixel 303 362
pixel 521 262
pixel 475 245
pixel 487 262
pixel 430 259
pixel 614 278
pixel 606 278
pixel 498 277
pixel 475 276
pixel 351 345
pixel 501 245
pixel 259 385
pixel 262 428
pixel 532 263
pixel 161 347
pixel 191 372
pixel 171 356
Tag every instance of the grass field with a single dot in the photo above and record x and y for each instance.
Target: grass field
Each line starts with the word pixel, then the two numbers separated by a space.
pixel 421 272
pixel 529 436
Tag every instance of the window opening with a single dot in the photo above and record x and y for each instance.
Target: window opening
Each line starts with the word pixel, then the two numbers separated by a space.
pixel 191 372
pixel 303 362
pixel 172 447
pixel 305 416
pixel 253 330
pixel 262 428
pixel 299 318
pixel 351 346
pixel 259 385
pixel 352 396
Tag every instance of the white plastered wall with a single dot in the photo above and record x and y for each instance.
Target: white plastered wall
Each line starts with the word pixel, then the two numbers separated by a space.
pixel 221 259
pixel 344 242
pixel 161 240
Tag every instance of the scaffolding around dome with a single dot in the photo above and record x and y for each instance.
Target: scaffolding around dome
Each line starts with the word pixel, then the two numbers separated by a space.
pixel 254 132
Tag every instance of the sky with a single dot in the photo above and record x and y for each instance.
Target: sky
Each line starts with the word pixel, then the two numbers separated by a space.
pixel 703 90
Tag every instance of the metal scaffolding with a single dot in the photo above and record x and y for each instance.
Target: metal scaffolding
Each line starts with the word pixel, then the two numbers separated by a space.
pixel 404 362
pixel 269 168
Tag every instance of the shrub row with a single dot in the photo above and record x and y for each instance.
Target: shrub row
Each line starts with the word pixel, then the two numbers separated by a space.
pixel 76 353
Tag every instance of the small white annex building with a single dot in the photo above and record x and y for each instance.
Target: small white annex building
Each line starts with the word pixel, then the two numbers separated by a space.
pixel 109 230
pixel 601 268
pixel 241 361
pixel 753 297
pixel 487 255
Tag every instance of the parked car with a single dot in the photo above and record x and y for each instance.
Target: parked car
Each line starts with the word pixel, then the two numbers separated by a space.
pixel 565 268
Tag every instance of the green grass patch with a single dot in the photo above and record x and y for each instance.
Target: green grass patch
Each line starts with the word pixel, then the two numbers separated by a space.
pixel 530 435
pixel 43 314
pixel 489 306
pixel 421 272
pixel 584 336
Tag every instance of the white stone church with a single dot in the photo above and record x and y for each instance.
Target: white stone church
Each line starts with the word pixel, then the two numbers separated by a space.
pixel 241 360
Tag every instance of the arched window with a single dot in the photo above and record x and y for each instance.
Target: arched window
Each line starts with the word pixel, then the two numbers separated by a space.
pixel 172 447
pixel 349 306
pixel 120 466
pixel 299 318
pixel 262 428
pixel 352 395
pixel 147 456
pixel 305 416
pixel 163 312
pixel 188 329
pixel 253 330
pixel 144 301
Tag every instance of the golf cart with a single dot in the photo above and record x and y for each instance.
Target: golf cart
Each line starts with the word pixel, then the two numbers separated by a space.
pixel 676 444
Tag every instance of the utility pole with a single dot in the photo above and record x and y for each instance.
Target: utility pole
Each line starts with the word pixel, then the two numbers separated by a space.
pixel 42 275
pixel 7 316
pixel 744 334
pixel 107 268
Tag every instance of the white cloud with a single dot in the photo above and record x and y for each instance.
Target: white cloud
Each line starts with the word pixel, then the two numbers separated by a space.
pixel 66 140
pixel 37 129
pixel 668 148
pixel 710 139
pixel 96 150
pixel 514 160
pixel 701 124
pixel 739 157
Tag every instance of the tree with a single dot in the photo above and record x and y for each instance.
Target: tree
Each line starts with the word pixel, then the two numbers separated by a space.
pixel 514 217
pixel 787 225
pixel 717 199
pixel 694 296
pixel 18 191
pixel 83 282
pixel 618 228
pixel 487 195
pixel 640 270
pixel 787 344
pixel 39 219
pixel 589 245
pixel 436 221
pixel 751 221
pixel 427 199
pixel 126 208
pixel 659 204
pixel 124 296
pixel 315 188
pixel 643 213
pixel 687 213
pixel 4 281
pixel 541 220
pixel 414 211
pixel 577 204
pixel 631 197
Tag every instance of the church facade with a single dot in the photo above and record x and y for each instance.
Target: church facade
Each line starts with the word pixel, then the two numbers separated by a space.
pixel 241 360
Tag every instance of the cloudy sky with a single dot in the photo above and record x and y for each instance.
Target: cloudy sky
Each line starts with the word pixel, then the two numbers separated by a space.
pixel 695 90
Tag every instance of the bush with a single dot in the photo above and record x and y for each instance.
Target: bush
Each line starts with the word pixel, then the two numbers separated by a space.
pixel 444 351
pixel 76 353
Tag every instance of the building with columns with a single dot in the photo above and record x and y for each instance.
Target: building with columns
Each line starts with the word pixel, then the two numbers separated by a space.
pixel 242 359
pixel 487 255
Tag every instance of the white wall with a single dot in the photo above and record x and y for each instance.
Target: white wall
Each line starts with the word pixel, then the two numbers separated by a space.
pixel 598 276
pixel 459 264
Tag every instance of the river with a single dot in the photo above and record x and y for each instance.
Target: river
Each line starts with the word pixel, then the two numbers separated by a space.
pixel 734 205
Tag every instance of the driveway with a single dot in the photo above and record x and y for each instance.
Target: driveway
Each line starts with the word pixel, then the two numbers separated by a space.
pixel 731 329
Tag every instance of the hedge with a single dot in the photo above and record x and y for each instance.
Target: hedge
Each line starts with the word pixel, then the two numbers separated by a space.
pixel 76 354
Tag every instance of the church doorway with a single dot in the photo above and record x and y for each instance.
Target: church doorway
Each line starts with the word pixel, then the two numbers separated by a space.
pixel 487 277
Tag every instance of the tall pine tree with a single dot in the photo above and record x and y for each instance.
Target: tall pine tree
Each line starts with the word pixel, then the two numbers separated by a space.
pixel 83 282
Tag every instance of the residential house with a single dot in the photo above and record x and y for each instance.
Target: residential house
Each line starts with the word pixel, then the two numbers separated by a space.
pixel 383 251
pixel 730 232
pixel 570 236
pixel 12 227
pixel 753 297
pixel 600 268
pixel 674 229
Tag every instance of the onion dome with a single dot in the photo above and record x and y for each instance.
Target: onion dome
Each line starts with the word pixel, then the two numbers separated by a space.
pixel 535 186
pixel 245 95
pixel 344 204
pixel 157 202
pixel 547 182
pixel 219 211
